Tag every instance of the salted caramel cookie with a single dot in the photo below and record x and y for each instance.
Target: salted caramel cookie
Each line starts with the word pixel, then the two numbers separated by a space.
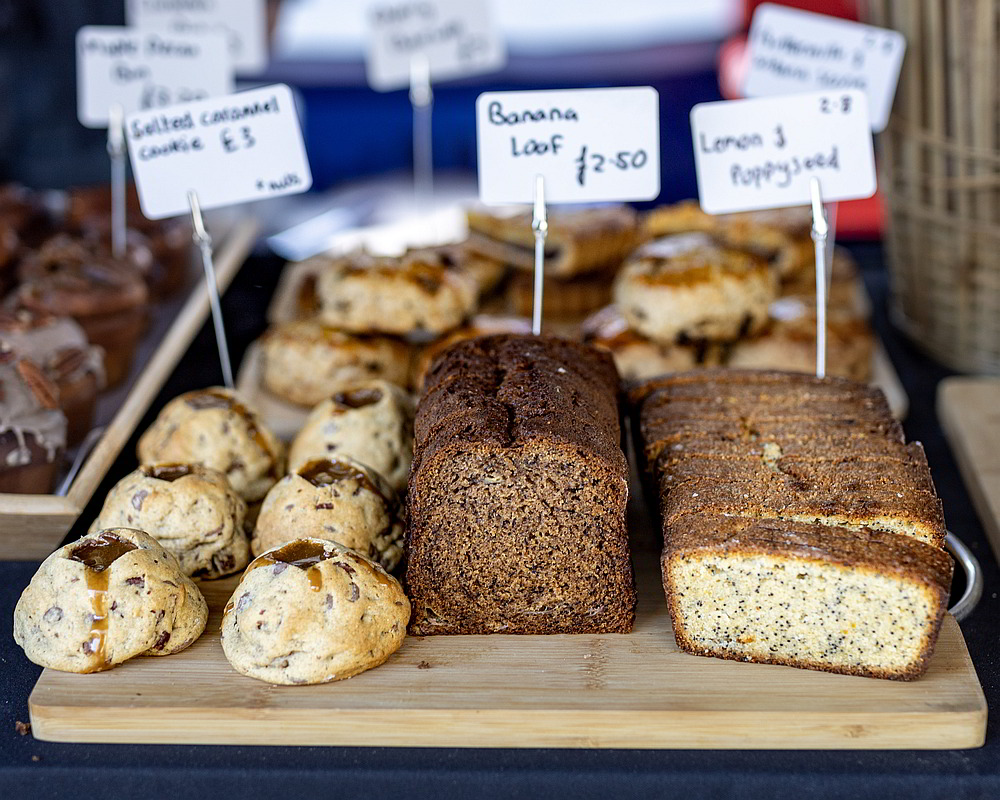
pixel 690 287
pixel 305 361
pixel 313 611
pixel 189 509
pixel 372 423
pixel 110 595
pixel 400 296
pixel 214 428
pixel 336 499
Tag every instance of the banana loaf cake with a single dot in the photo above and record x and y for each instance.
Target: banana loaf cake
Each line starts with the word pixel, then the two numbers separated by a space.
pixel 517 493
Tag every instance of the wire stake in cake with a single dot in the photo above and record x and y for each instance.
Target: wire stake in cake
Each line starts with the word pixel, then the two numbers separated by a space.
pixel 820 232
pixel 540 225
pixel 204 242
pixel 116 151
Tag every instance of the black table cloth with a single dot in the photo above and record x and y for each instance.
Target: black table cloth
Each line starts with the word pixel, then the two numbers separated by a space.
pixel 32 768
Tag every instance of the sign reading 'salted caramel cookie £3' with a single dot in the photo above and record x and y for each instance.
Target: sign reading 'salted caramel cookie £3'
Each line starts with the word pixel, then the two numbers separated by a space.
pixel 233 149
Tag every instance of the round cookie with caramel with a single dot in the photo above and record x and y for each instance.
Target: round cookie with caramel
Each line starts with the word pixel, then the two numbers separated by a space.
pixel 305 361
pixel 110 595
pixel 690 288
pixel 214 428
pixel 189 509
pixel 372 422
pixel 313 611
pixel 336 499
pixel 419 296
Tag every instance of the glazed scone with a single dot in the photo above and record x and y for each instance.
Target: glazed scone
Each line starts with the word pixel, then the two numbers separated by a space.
pixel 776 592
pixel 486 272
pixel 216 429
pixel 789 342
pixel 372 423
pixel 780 234
pixel 637 357
pixel 688 286
pixel 107 597
pixel 305 361
pixel 578 242
pixel 336 499
pixel 368 294
pixel 189 509
pixel 479 325
pixel 313 611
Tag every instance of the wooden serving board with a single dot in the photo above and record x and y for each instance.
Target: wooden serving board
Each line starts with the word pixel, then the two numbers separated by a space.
pixel 969 410
pixel 32 526
pixel 588 691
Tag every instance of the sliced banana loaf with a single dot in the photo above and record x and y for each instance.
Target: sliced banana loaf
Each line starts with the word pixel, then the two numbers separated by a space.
pixel 517 493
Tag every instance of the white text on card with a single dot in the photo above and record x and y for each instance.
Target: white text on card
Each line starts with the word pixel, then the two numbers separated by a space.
pixel 146 69
pixel 233 149
pixel 590 145
pixel 792 51
pixel 762 153
pixel 457 37
pixel 243 22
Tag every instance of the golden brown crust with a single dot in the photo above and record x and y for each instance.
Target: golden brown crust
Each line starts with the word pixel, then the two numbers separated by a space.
pixel 578 242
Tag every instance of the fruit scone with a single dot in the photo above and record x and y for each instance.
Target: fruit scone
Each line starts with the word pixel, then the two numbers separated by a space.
pixel 360 293
pixel 306 361
pixel 690 288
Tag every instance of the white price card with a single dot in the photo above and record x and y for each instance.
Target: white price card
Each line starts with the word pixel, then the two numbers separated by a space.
pixel 792 51
pixel 146 69
pixel 762 153
pixel 590 145
pixel 232 149
pixel 457 37
pixel 243 22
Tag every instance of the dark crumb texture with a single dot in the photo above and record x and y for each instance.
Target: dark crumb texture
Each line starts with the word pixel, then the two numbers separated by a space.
pixel 518 491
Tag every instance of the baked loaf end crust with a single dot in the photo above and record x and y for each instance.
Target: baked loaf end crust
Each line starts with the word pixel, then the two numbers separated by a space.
pixel 835 624
pixel 518 491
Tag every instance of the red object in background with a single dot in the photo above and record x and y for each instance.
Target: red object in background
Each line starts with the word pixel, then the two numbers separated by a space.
pixel 856 219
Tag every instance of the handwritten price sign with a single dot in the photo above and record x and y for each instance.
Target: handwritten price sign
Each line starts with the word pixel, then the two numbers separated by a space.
pixel 762 153
pixel 231 149
pixel 590 145
pixel 793 51
pixel 146 69
pixel 457 37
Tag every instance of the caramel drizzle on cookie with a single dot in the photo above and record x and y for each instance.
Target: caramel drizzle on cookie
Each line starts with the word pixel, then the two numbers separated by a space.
pixel 97 555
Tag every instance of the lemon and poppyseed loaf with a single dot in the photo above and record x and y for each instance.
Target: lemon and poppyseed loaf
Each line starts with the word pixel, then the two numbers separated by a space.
pixel 517 494
pixel 798 527
pixel 773 591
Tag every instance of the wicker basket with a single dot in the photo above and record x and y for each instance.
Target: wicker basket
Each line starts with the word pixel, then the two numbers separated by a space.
pixel 940 172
